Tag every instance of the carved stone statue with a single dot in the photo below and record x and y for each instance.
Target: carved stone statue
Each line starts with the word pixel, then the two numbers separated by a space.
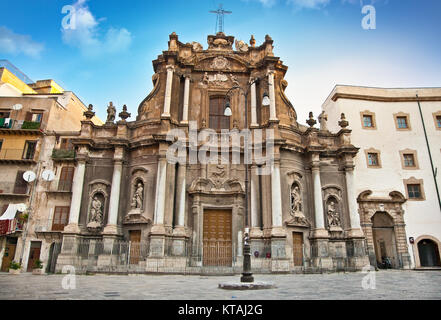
pixel 197 46
pixel 296 201
pixel 241 46
pixel 234 80
pixel 111 112
pixel 323 120
pixel 138 197
pixel 206 78
pixel 96 213
pixel 333 215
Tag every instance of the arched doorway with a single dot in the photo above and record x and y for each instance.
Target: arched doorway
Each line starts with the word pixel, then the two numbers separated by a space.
pixel 384 239
pixel 429 253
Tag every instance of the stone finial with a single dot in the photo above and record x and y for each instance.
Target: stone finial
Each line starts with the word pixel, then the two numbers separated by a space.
pixel 268 38
pixel 343 123
pixel 311 120
pixel 124 114
pixel 89 114
pixel 252 41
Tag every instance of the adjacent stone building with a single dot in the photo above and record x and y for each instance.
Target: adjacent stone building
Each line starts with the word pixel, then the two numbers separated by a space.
pixel 399 135
pixel 133 209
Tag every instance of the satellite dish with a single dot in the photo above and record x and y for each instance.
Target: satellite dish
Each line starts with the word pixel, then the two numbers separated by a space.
pixel 29 176
pixel 17 107
pixel 48 175
pixel 21 207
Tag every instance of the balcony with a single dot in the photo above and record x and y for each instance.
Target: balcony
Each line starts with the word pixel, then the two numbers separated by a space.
pixel 63 154
pixel 11 189
pixel 19 126
pixel 17 155
pixel 8 227
pixel 47 229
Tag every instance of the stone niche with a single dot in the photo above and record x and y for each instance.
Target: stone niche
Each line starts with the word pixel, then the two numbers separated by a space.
pixel 99 193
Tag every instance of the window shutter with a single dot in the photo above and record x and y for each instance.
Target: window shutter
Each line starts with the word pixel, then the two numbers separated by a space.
pixel 21 186
pixel 28 116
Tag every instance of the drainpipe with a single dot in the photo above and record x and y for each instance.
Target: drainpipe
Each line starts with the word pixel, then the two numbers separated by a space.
pixel 434 171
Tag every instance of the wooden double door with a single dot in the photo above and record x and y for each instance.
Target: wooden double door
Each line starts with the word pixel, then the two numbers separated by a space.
pixel 34 254
pixel 217 240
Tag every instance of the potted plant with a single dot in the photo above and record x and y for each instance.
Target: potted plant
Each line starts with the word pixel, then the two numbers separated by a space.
pixel 38 267
pixel 14 267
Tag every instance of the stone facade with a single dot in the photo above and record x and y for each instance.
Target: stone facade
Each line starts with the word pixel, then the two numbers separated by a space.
pixel 122 172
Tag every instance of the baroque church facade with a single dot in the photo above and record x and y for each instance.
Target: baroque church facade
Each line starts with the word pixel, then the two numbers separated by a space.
pixel 190 217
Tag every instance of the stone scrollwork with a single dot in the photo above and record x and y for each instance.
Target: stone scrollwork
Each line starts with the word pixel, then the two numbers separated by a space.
pixel 241 46
pixel 220 63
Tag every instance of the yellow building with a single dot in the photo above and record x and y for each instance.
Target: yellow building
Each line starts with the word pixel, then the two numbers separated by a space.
pixel 31 115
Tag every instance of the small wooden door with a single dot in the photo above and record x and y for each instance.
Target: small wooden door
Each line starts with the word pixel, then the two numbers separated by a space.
pixel 135 246
pixel 217 238
pixel 8 256
pixel 297 247
pixel 34 254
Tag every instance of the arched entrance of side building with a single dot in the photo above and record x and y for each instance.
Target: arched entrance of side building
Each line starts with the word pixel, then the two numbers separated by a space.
pixel 427 251
pixel 383 224
pixel 384 239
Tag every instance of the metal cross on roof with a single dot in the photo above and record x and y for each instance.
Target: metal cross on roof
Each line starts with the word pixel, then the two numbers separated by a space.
pixel 220 18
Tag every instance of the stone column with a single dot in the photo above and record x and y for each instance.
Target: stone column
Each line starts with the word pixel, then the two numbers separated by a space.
pixel 272 96
pixel 276 196
pixel 318 200
pixel 77 194
pixel 182 171
pixel 255 196
pixel 112 221
pixel 168 90
pixel 253 106
pixel 352 201
pixel 157 233
pixel 186 99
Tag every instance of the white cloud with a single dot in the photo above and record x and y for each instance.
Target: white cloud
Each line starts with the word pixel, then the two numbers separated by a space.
pixel 88 37
pixel 13 43
pixel 310 4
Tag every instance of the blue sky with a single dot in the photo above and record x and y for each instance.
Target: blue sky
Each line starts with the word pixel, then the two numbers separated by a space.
pixel 108 57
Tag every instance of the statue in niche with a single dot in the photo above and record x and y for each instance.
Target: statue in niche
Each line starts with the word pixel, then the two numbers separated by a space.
pixel 296 212
pixel 296 201
pixel 111 112
pixel 96 212
pixel 333 215
pixel 138 196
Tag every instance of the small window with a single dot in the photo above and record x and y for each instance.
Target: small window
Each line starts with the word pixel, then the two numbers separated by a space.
pixel 438 122
pixel 21 186
pixel 402 123
pixel 409 160
pixel 61 218
pixel 5 114
pixel 367 121
pixel 373 159
pixel 414 191
pixel 66 144
pixel 66 179
pixel 29 150
pixel 34 116
pixel 1 143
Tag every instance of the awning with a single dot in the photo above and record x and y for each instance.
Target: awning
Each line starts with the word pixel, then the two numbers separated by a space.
pixel 10 213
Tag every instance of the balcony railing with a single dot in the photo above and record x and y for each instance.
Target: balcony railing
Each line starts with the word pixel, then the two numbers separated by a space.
pixel 48 225
pixel 11 188
pixel 16 154
pixel 63 154
pixel 10 226
pixel 8 123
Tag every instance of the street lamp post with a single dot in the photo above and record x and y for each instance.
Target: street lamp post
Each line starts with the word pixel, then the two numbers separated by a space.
pixel 247 275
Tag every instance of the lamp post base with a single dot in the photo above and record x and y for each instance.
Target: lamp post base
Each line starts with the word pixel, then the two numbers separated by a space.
pixel 247 276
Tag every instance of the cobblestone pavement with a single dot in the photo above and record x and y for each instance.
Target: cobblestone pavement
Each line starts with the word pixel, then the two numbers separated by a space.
pixel 389 285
